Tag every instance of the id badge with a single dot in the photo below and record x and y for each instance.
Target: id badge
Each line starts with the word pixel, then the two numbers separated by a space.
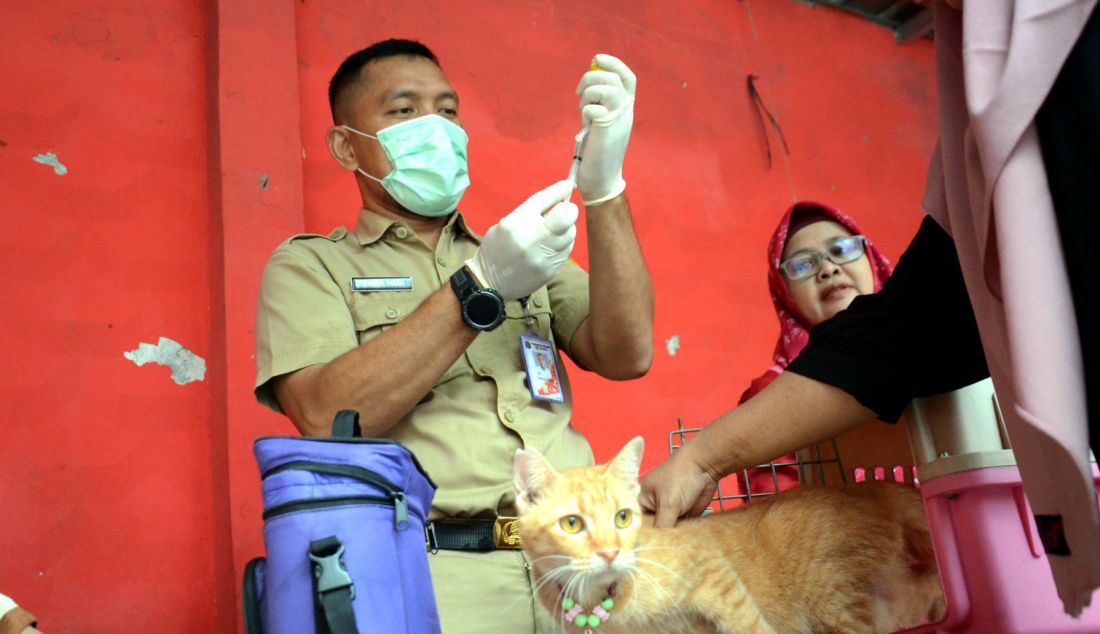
pixel 542 368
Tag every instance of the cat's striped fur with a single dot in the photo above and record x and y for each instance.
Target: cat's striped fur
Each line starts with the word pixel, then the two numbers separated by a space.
pixel 849 559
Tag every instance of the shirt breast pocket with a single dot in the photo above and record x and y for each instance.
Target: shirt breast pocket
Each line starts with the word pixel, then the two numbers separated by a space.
pixel 373 315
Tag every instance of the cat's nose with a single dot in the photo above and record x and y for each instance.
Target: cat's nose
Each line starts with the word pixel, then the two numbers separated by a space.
pixel 608 554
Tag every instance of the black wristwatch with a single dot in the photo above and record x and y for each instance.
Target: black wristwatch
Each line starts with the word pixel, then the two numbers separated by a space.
pixel 482 308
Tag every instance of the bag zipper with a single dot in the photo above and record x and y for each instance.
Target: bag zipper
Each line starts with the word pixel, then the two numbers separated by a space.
pixel 396 495
pixel 358 441
pixel 312 505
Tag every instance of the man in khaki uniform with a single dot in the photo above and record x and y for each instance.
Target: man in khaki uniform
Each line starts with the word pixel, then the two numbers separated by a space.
pixel 415 321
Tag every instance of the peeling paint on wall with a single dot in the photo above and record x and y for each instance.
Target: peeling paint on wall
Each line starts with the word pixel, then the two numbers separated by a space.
pixel 263 181
pixel 672 344
pixel 186 365
pixel 49 158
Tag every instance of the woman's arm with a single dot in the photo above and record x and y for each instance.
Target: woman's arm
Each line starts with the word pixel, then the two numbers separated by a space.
pixel 791 413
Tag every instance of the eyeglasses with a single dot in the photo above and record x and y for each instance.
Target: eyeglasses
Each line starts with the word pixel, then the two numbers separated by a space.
pixel 840 251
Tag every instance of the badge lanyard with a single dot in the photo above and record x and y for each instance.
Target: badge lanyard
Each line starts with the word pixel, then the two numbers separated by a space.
pixel 539 361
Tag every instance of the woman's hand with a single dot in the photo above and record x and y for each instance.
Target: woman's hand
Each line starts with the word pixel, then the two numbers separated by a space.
pixel 678 487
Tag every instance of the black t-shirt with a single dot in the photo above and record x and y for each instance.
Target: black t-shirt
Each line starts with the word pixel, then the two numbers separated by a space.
pixel 915 337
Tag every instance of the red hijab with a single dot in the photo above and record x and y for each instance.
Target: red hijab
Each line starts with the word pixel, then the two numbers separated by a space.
pixel 794 329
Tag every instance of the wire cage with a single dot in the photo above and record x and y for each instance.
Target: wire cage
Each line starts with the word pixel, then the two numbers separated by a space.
pixel 817 464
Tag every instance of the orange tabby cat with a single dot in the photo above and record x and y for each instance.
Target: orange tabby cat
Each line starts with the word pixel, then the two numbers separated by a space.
pixel 851 559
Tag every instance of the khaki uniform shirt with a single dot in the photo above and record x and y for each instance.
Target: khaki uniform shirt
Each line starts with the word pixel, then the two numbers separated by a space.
pixel 466 430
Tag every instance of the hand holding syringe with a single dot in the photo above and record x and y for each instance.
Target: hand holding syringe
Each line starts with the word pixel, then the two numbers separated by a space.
pixel 607 109
pixel 575 165
pixel 528 246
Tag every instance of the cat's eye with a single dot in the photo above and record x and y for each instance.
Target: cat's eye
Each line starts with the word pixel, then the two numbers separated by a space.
pixel 623 518
pixel 571 524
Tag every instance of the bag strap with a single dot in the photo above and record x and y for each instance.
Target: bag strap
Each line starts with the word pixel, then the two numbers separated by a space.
pixel 252 596
pixel 333 588
pixel 346 424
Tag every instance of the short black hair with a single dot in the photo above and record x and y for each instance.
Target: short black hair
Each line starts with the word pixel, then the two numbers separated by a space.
pixel 349 72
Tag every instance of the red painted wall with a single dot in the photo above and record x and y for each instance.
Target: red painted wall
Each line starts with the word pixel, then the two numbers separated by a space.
pixel 193 134
pixel 108 517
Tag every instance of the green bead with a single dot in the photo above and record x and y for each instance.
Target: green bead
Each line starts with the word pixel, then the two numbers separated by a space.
pixel 593 620
pixel 607 604
pixel 580 620
pixel 567 604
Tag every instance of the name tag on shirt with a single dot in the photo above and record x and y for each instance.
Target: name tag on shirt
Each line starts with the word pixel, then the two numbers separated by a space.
pixel 367 284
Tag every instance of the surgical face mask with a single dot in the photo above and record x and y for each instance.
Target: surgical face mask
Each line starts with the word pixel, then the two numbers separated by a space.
pixel 428 155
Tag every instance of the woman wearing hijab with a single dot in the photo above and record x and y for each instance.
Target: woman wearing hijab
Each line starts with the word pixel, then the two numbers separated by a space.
pixel 818 262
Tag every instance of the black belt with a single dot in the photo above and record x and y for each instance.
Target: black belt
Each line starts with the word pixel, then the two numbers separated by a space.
pixel 479 535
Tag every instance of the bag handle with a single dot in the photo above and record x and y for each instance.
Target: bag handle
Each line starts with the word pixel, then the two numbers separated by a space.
pixel 346 424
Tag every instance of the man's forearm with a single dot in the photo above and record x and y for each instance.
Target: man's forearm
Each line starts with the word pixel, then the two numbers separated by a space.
pixel 791 413
pixel 383 378
pixel 620 321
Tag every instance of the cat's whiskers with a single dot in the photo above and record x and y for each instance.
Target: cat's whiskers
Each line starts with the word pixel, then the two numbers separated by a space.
pixel 567 591
pixel 645 574
pixel 645 547
pixel 546 578
pixel 588 584
pixel 638 574
pixel 651 562
pixel 589 572
pixel 545 557
pixel 551 576
pixel 584 587
pixel 661 588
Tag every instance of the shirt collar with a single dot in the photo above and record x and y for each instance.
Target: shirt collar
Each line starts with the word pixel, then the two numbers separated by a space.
pixel 372 226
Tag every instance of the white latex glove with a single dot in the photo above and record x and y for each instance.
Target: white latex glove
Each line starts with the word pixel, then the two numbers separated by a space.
pixel 525 250
pixel 607 105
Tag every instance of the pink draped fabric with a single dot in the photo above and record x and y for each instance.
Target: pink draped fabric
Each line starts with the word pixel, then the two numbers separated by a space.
pixel 996 62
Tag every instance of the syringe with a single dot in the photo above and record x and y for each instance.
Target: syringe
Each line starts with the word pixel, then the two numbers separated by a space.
pixel 575 166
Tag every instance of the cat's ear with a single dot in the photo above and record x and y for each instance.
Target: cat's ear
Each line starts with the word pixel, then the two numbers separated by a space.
pixel 628 463
pixel 531 473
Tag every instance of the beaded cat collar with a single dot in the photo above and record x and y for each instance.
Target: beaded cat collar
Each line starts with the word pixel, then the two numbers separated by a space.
pixel 599 613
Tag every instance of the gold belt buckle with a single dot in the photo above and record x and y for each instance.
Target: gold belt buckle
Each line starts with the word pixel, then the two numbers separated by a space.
pixel 506 533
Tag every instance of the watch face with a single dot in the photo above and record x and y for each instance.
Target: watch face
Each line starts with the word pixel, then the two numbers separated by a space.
pixel 484 309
